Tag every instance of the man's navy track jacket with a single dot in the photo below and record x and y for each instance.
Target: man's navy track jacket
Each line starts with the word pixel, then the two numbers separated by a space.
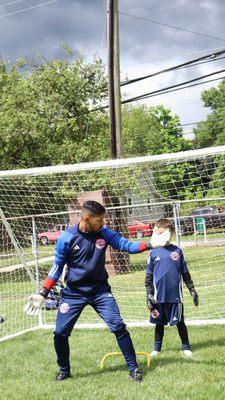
pixel 84 254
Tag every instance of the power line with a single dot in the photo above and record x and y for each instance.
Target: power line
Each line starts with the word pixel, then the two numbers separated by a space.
pixel 12 2
pixel 167 89
pixel 28 8
pixel 181 88
pixel 214 119
pixel 207 129
pixel 205 62
pixel 187 101
pixel 217 119
pixel 172 26
pixel 178 66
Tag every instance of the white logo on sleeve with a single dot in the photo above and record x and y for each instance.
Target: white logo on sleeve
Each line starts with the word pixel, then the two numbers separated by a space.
pixel 77 247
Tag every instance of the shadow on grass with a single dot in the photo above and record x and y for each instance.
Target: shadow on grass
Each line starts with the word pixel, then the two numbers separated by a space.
pixel 208 343
pixel 162 361
pixel 156 363
pixel 101 372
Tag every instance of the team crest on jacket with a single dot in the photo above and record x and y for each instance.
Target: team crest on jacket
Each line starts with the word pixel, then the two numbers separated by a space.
pixel 175 255
pixel 64 308
pixel 100 243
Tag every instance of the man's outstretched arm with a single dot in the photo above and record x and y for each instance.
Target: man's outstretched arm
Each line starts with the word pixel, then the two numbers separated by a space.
pixel 119 242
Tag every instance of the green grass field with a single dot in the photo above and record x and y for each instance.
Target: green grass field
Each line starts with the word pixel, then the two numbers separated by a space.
pixel 28 362
pixel 28 367
pixel 206 265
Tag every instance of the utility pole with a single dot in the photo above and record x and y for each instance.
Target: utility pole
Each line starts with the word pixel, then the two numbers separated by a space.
pixel 119 218
pixel 110 40
pixel 114 77
pixel 117 93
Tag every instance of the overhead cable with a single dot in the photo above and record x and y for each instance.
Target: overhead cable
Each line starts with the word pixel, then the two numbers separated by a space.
pixel 212 55
pixel 11 3
pixel 28 8
pixel 159 91
pixel 167 89
pixel 178 28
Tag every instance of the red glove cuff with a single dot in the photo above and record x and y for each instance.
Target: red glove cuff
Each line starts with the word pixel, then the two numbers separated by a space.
pixel 49 283
pixel 143 247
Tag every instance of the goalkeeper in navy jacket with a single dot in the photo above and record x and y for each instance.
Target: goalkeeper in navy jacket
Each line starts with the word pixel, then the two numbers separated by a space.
pixel 82 247
pixel 166 269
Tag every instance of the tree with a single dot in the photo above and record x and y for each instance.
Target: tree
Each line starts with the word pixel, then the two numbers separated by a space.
pixel 44 113
pixel 151 130
pixel 212 131
pixel 45 119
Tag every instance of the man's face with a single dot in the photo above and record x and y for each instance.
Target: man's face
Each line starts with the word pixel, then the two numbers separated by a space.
pixel 96 222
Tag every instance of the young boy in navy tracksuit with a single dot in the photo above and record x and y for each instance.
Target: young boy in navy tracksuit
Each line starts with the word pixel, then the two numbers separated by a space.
pixel 166 269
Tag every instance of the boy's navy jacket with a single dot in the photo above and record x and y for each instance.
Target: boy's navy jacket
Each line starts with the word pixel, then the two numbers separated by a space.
pixel 167 265
pixel 84 254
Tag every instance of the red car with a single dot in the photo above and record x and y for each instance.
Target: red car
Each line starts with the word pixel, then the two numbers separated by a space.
pixel 139 229
pixel 52 234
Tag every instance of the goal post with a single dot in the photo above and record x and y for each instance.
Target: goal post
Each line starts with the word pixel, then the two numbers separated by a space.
pixel 38 204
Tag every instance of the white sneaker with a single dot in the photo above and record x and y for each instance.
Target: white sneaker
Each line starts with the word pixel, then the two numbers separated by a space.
pixel 188 353
pixel 154 353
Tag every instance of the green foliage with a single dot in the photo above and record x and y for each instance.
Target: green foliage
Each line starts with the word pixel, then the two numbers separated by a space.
pixel 212 131
pixel 44 113
pixel 151 130
pixel 45 120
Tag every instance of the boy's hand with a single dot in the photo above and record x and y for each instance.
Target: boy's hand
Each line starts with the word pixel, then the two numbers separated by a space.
pixel 148 245
pixel 150 301
pixel 195 297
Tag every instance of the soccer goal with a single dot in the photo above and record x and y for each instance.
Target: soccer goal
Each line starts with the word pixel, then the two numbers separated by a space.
pixel 37 204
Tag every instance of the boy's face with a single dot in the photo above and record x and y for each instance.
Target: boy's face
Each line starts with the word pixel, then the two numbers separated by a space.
pixel 159 230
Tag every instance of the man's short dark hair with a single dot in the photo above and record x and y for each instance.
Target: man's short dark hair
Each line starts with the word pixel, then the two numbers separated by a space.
pixel 165 223
pixel 93 206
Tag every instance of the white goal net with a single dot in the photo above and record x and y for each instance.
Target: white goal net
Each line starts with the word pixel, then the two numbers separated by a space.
pixel 36 205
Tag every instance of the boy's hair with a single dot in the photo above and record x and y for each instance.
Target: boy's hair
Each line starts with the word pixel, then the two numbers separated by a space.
pixel 165 223
pixel 93 207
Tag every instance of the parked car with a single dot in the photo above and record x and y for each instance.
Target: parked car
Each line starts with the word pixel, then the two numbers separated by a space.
pixel 212 216
pixel 139 229
pixel 52 234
